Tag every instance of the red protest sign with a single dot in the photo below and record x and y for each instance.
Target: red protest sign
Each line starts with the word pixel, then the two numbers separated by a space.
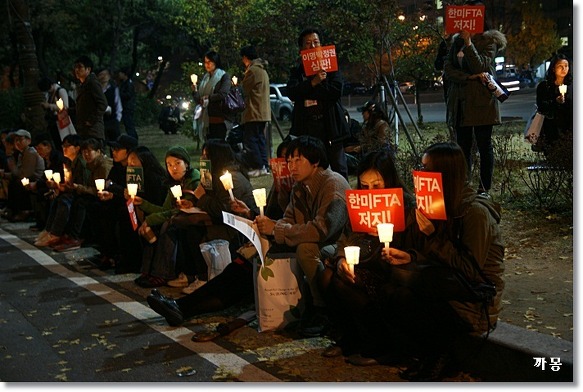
pixel 132 212
pixel 467 17
pixel 281 176
pixel 368 208
pixel 322 57
pixel 429 194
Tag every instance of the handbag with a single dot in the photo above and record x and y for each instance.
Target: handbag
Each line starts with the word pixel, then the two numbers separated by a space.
pixel 234 102
pixel 534 127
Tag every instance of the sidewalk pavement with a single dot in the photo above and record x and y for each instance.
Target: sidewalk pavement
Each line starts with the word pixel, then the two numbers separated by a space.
pixel 509 354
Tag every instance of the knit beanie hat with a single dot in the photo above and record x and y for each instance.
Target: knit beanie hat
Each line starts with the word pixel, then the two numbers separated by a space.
pixel 178 152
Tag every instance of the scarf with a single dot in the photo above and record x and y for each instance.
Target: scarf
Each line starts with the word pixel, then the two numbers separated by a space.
pixel 207 86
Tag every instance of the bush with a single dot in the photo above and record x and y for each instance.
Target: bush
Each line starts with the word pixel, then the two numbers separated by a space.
pixel 11 106
pixel 147 110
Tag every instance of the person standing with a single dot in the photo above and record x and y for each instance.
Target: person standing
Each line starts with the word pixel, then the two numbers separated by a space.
pixel 53 93
pixel 317 108
pixel 472 110
pixel 113 112
pixel 127 93
pixel 211 94
pixel 257 111
pixel 558 111
pixel 91 102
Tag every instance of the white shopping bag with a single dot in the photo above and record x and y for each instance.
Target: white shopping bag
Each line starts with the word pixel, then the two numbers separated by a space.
pixel 278 298
pixel 217 256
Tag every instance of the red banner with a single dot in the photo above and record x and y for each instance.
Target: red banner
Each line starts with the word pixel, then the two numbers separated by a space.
pixel 281 175
pixel 467 17
pixel 322 57
pixel 429 194
pixel 368 208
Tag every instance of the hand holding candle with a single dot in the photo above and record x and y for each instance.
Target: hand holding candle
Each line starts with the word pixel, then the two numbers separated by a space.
pixel 563 90
pixel 352 254
pixel 234 80
pixel 194 78
pixel 132 190
pixel 100 184
pixel 49 174
pixel 385 233
pixel 176 191
pixel 227 180
pixel 57 177
pixel 260 198
pixel 25 181
pixel 60 104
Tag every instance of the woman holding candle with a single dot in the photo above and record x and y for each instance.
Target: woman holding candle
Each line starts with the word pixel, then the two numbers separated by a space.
pixel 556 138
pixel 159 260
pixel 467 244
pixel 213 89
pixel 225 164
pixel 353 294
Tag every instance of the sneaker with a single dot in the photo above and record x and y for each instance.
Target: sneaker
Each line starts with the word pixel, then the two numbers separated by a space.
pixel 42 235
pixel 67 244
pixel 49 240
pixel 193 286
pixel 181 281
pixel 258 172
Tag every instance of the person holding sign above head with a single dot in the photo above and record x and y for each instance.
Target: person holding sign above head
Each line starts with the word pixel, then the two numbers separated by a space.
pixel 315 86
pixel 353 295
pixel 456 281
pixel 472 109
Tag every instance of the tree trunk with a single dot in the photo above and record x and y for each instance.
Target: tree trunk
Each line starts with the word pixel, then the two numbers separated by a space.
pixel 34 115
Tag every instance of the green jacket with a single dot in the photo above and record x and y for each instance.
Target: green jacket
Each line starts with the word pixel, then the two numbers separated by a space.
pixel 156 215
pixel 480 238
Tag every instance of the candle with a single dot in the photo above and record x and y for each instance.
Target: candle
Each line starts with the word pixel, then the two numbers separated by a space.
pixel 132 190
pixel 176 191
pixel 352 254
pixel 194 78
pixel 49 174
pixel 385 233
pixel 67 174
pixel 25 181
pixel 227 180
pixel 563 89
pixel 100 184
pixel 260 198
pixel 60 104
pixel 234 80
pixel 57 177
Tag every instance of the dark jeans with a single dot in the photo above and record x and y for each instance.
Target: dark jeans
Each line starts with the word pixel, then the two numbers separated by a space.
pixel 217 131
pixel 130 126
pixel 255 144
pixel 231 286
pixel 483 135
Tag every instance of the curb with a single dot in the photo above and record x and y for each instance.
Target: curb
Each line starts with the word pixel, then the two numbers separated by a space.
pixel 509 355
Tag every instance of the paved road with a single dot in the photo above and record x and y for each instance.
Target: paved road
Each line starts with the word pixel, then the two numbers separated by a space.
pixel 63 320
pixel 520 104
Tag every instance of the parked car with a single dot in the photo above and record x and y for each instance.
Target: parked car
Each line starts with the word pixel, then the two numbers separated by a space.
pixel 407 87
pixel 281 105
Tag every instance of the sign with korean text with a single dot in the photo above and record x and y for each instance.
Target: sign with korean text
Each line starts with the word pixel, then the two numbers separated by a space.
pixel 467 17
pixel 281 176
pixel 135 175
pixel 322 57
pixel 429 194
pixel 368 208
